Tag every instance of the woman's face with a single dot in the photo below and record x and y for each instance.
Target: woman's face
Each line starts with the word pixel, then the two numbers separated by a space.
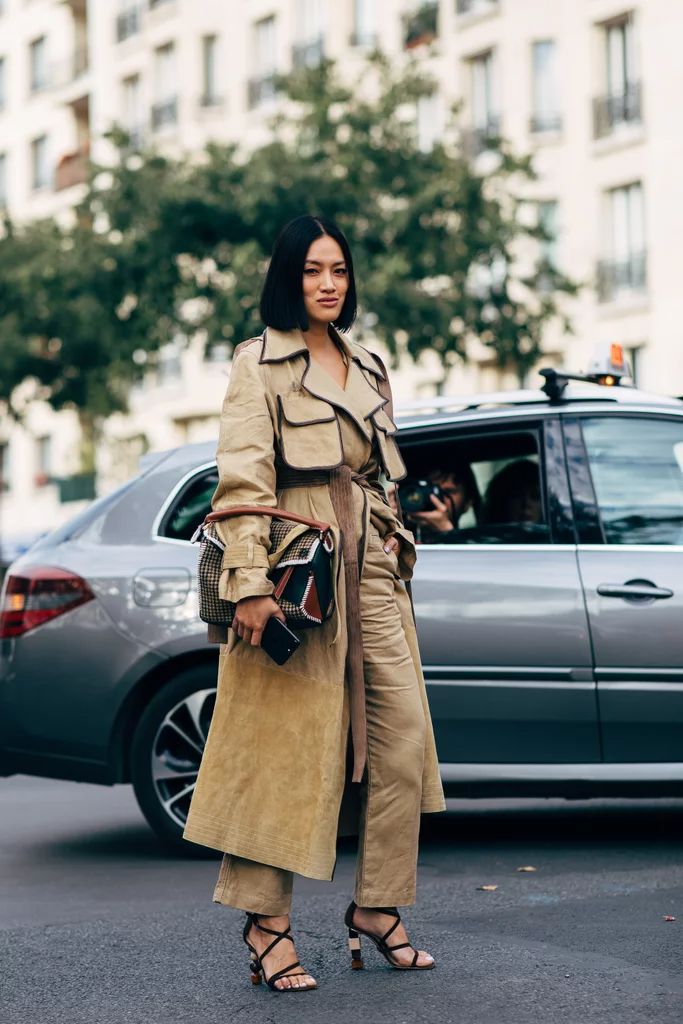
pixel 326 277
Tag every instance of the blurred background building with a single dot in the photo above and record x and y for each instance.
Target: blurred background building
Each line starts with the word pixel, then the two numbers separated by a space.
pixel 592 88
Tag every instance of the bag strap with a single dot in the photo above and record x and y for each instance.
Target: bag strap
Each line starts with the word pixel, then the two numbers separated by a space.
pixel 266 510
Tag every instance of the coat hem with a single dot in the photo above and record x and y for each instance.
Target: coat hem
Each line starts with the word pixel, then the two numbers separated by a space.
pixel 257 847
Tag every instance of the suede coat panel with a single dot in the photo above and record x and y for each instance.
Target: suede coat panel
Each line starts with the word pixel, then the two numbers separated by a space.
pixel 274 768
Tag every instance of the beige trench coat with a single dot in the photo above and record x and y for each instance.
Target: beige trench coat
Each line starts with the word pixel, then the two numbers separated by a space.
pixel 274 769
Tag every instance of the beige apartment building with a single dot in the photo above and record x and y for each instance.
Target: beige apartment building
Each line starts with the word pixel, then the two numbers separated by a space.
pixel 590 87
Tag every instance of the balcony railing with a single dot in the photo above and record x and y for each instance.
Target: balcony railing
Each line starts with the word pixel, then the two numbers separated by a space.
pixel 72 168
pixel 308 54
pixel 617 276
pixel 475 6
pixel 611 111
pixel 545 123
pixel 478 139
pixel 260 89
pixel 127 23
pixel 164 113
pixel 421 26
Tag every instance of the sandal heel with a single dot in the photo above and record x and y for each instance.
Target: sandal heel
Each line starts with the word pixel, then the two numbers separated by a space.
pixel 254 970
pixel 354 946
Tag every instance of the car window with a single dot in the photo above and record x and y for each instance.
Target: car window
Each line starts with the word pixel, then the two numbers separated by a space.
pixel 189 508
pixel 490 484
pixel 637 470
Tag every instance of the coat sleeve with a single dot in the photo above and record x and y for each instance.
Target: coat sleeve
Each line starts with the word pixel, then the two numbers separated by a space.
pixel 246 476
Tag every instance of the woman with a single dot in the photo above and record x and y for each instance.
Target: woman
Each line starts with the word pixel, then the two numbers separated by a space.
pixel 304 427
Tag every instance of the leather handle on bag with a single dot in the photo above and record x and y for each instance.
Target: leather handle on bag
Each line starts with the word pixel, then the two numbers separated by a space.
pixel 266 510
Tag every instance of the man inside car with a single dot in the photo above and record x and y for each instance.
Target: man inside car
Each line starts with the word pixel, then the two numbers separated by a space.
pixel 456 492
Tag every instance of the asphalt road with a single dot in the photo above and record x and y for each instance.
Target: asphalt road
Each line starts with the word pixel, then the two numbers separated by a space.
pixel 98 926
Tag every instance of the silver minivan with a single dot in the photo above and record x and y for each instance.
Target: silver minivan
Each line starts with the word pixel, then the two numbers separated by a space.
pixel 552 644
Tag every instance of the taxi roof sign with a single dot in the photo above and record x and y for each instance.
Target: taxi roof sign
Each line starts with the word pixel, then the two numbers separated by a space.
pixel 608 361
pixel 607 367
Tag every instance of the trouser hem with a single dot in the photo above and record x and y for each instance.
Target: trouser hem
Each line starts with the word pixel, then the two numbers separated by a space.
pixel 385 899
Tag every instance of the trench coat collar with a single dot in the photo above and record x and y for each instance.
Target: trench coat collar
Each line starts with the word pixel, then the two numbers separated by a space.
pixel 360 398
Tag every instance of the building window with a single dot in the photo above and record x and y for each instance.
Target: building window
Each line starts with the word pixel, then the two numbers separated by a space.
pixel 40 170
pixel 634 356
pixel 620 103
pixel 623 271
pixel 38 64
pixel 262 86
pixel 308 50
pixel 165 107
pixel 485 118
pixel 476 6
pixel 428 120
pixel 548 217
pixel 43 461
pixel 545 115
pixel 421 26
pixel 4 466
pixel 364 23
pixel 3 180
pixel 3 83
pixel 132 110
pixel 127 20
pixel 209 71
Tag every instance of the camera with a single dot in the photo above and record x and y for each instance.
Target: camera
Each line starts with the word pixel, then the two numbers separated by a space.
pixel 415 495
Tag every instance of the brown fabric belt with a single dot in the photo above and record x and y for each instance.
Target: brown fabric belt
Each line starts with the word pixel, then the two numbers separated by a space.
pixel 341 495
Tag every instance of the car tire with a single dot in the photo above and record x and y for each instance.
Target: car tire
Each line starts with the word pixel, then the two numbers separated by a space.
pixel 165 755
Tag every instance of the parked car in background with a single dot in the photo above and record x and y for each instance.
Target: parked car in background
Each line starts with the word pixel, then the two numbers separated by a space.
pixel 552 643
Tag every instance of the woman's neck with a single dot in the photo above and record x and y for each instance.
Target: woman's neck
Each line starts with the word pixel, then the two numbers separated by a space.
pixel 317 337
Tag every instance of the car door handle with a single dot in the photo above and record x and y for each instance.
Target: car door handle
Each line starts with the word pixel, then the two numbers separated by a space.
pixel 635 590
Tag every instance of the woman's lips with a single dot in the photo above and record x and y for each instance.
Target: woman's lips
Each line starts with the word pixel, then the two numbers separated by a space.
pixel 328 302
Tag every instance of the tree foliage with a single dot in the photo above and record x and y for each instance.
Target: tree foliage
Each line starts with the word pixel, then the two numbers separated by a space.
pixel 161 247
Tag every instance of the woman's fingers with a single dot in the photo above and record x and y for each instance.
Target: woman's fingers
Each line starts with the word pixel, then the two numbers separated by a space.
pixel 256 635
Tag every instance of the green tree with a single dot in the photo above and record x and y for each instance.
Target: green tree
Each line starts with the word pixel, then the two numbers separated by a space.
pixel 161 247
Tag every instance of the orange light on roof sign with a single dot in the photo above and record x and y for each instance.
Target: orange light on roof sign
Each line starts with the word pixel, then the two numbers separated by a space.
pixel 616 355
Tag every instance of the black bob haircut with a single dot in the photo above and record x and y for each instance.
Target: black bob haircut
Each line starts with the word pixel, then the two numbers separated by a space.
pixel 282 297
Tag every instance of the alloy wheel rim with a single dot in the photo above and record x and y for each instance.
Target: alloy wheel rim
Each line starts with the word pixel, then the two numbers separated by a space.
pixel 177 752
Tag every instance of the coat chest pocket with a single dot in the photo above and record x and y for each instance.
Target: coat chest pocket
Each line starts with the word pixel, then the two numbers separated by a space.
pixel 309 432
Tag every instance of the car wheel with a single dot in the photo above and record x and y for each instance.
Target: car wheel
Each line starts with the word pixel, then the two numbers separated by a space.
pixel 167 747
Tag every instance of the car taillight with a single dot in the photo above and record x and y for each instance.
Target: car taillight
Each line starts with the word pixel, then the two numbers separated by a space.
pixel 37 595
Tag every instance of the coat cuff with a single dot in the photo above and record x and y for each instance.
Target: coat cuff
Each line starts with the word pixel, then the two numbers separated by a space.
pixel 245 555
pixel 407 553
pixel 236 584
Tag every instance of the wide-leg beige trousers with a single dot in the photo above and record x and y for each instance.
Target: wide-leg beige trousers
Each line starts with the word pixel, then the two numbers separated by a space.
pixel 391 791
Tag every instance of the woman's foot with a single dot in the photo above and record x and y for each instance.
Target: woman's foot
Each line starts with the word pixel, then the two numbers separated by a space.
pixel 282 954
pixel 379 924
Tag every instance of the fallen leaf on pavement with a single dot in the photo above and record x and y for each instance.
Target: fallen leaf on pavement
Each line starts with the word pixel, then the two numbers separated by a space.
pixel 527 867
pixel 487 888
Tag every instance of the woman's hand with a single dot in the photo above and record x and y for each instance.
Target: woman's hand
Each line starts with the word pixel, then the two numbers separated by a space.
pixel 251 616
pixel 392 543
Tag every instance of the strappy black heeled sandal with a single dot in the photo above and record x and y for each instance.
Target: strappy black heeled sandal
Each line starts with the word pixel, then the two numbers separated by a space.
pixel 256 961
pixel 380 941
